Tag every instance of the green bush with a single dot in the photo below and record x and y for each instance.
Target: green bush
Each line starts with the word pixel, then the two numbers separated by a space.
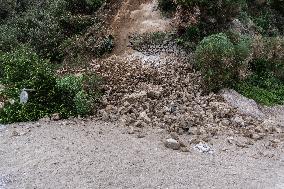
pixel 83 103
pixel 166 6
pixel 215 56
pixel 95 44
pixel 45 25
pixel 264 85
pixel 84 6
pixel 222 10
pixel 278 5
pixel 68 96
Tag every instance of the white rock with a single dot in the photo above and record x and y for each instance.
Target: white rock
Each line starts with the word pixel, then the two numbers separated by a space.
pixel 172 144
pixel 143 116
pixel 204 148
pixel 238 121
pixel 135 96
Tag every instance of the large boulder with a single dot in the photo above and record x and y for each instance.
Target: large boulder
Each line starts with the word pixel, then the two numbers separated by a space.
pixel 242 104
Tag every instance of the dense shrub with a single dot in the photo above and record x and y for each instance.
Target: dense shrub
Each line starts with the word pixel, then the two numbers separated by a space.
pixel 166 6
pixel 95 44
pixel 268 48
pixel 222 10
pixel 278 5
pixel 84 6
pixel 264 84
pixel 68 96
pixel 215 57
pixel 45 25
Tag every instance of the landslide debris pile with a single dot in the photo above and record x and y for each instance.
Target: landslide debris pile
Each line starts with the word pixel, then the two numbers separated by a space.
pixel 170 96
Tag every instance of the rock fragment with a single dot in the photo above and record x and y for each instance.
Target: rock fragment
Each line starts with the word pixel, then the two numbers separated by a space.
pixel 172 144
pixel 204 148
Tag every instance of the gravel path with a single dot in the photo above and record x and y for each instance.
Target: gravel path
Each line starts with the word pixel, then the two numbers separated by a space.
pixel 91 154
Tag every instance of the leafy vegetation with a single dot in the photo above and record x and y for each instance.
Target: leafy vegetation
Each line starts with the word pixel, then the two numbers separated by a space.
pixel 247 54
pixel 46 25
pixel 34 35
pixel 68 96
pixel 263 85
pixel 216 59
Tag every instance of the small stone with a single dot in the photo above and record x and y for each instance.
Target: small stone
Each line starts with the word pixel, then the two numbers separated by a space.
pixel 110 108
pixel 140 135
pixel 255 136
pixel 143 116
pixel 204 148
pixel 241 144
pixel 174 136
pixel 131 131
pixel 104 115
pixel 276 129
pixel 259 129
pixel 154 94
pixel 184 149
pixel 182 144
pixel 138 124
pixel 274 145
pixel 193 130
pixel 275 141
pixel 55 117
pixel 15 133
pixel 194 141
pixel 238 121
pixel 172 144
pixel 135 96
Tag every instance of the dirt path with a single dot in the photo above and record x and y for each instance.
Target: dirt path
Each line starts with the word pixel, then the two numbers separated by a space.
pixel 92 154
pixel 136 16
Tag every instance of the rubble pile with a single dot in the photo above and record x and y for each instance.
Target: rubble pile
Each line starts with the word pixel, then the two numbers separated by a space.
pixel 169 96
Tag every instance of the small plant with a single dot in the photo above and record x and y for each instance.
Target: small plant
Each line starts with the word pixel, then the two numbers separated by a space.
pixel 215 56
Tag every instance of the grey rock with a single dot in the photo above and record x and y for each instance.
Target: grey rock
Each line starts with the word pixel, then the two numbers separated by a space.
pixel 204 148
pixel 172 144
pixel 244 105
pixel 143 116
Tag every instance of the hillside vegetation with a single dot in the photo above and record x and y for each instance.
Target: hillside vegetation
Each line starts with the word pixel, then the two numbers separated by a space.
pixel 233 43
pixel 237 44
pixel 36 36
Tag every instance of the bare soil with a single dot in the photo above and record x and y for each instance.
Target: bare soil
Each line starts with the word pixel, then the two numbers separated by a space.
pixel 136 16
pixel 94 154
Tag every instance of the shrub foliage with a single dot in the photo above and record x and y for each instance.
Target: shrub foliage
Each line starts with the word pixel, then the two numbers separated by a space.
pixel 215 57
pixel 68 96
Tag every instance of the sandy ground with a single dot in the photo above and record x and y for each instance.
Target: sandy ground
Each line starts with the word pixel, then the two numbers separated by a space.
pixel 93 154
